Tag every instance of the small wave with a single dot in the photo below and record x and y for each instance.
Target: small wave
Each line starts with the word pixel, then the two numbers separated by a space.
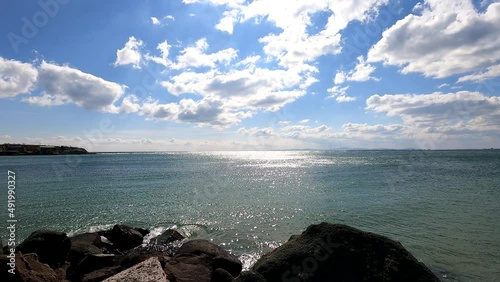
pixel 248 260
pixel 90 229
pixel 156 231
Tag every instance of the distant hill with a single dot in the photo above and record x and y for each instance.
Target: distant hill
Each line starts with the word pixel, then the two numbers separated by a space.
pixel 23 149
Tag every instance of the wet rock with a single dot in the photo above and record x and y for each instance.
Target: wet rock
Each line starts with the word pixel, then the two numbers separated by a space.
pixel 146 271
pixel 139 255
pixel 335 252
pixel 84 244
pixel 90 264
pixel 167 237
pixel 221 275
pixel 190 268
pixel 51 247
pixel 124 237
pixel 220 257
pixel 250 276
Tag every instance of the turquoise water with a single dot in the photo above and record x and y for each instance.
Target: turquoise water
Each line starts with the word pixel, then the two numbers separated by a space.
pixel 443 206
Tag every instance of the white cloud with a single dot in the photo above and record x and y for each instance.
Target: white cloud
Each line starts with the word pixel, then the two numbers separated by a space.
pixel 204 112
pixel 441 112
pixel 164 49
pixel 304 121
pixel 195 56
pixel 155 20
pixel 257 132
pixel 130 53
pixel 362 72
pixel 489 73
pixel 340 94
pixel 130 104
pixel 16 78
pixel 444 85
pixel 447 38
pixel 63 84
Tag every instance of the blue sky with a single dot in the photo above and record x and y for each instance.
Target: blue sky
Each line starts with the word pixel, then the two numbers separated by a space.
pixel 250 75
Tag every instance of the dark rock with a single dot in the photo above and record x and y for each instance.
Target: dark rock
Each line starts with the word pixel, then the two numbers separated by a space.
pixel 84 244
pixel 168 236
pixel 139 255
pixel 51 247
pixel 28 268
pixel 220 257
pixel 221 275
pixel 101 274
pixel 190 268
pixel 90 264
pixel 143 231
pixel 124 237
pixel 334 252
pixel 250 276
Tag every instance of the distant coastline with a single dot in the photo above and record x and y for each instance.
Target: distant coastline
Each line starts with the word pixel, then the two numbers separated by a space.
pixel 23 150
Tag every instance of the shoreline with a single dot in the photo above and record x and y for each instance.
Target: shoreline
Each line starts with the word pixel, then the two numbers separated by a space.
pixel 322 252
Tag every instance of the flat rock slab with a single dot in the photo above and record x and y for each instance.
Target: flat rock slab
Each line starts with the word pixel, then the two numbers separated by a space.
pixel 147 271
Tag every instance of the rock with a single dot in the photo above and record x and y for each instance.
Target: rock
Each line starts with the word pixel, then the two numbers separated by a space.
pixel 90 264
pixel 168 236
pixel 250 276
pixel 139 255
pixel 190 268
pixel 124 237
pixel 28 268
pixel 51 247
pixel 221 275
pixel 84 244
pixel 220 257
pixel 146 271
pixel 335 252
pixel 101 274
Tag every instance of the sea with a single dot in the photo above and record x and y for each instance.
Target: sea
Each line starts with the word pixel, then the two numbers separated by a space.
pixel 443 206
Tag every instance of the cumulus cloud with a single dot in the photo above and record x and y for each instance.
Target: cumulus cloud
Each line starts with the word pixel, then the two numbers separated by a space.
pixel 444 39
pixel 441 112
pixel 362 72
pixel 204 112
pixel 16 78
pixel 195 56
pixel 63 84
pixel 163 59
pixel 130 54
pixel 340 94
pixel 489 73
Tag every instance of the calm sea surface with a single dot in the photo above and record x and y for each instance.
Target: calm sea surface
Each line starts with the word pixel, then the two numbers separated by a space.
pixel 443 206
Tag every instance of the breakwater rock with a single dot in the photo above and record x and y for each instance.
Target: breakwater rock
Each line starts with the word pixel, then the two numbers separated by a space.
pixel 323 252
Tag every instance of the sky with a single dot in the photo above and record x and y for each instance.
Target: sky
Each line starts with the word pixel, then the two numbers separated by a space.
pixel 194 75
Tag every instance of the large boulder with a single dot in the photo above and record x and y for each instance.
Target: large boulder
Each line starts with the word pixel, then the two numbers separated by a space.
pixel 190 268
pixel 250 276
pixel 89 264
pixel 125 237
pixel 168 236
pixel 220 257
pixel 147 271
pixel 84 244
pixel 28 268
pixel 335 252
pixel 51 247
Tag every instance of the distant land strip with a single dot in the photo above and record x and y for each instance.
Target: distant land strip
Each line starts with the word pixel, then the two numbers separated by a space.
pixel 23 149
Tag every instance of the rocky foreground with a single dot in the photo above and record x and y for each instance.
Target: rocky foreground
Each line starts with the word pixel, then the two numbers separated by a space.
pixel 323 252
